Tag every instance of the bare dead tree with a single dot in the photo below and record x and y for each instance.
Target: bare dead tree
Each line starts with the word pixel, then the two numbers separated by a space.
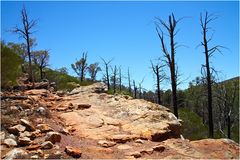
pixel 129 83
pixel 25 33
pixel 204 22
pixel 114 78
pixel 140 88
pixel 157 69
pixel 120 79
pixel 107 63
pixel 226 98
pixel 135 89
pixel 170 57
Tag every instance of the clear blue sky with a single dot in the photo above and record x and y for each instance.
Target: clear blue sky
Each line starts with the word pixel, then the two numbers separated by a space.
pixel 125 31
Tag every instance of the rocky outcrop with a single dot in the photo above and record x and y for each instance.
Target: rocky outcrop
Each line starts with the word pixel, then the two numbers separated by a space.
pixel 105 116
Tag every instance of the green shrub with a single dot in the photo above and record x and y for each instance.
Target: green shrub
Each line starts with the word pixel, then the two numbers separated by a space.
pixel 10 67
pixel 192 126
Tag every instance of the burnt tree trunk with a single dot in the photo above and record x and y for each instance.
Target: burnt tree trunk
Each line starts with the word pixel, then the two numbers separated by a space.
pixel 120 80
pixel 158 86
pixel 209 81
pixel 129 83
pixel 135 89
pixel 170 57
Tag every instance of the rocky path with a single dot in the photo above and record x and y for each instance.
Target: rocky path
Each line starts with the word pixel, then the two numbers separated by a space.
pixel 90 124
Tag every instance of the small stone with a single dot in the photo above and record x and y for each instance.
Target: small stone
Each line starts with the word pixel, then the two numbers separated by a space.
pixel 2 135
pixel 16 129
pixel 14 109
pixel 124 146
pixel 12 137
pixel 16 153
pixel 25 134
pixel 147 151
pixel 46 156
pixel 34 157
pixel 46 145
pixel 74 152
pixel 10 142
pixel 64 131
pixel 122 138
pixel 53 137
pixel 44 128
pixel 33 147
pixel 56 155
pixel 83 106
pixel 106 144
pixel 24 141
pixel 159 148
pixel 135 154
pixel 139 141
pixel 29 126
pixel 61 109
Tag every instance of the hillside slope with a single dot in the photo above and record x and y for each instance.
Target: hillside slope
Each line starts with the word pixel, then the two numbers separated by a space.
pixel 89 123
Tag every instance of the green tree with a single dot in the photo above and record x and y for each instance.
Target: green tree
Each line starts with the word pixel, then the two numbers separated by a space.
pixel 80 66
pixel 41 59
pixel 93 69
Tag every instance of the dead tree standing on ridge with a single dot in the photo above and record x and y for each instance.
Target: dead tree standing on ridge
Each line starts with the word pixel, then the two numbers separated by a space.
pixel 129 83
pixel 120 79
pixel 157 69
pixel 204 21
pixel 140 88
pixel 106 63
pixel 170 57
pixel 114 78
pixel 135 89
pixel 28 25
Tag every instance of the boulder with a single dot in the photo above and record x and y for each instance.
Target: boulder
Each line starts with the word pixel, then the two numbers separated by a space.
pixel 46 145
pixel 10 142
pixel 44 128
pixel 24 141
pixel 16 129
pixel 53 137
pixel 29 126
pixel 106 144
pixel 16 153
pixel 74 152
